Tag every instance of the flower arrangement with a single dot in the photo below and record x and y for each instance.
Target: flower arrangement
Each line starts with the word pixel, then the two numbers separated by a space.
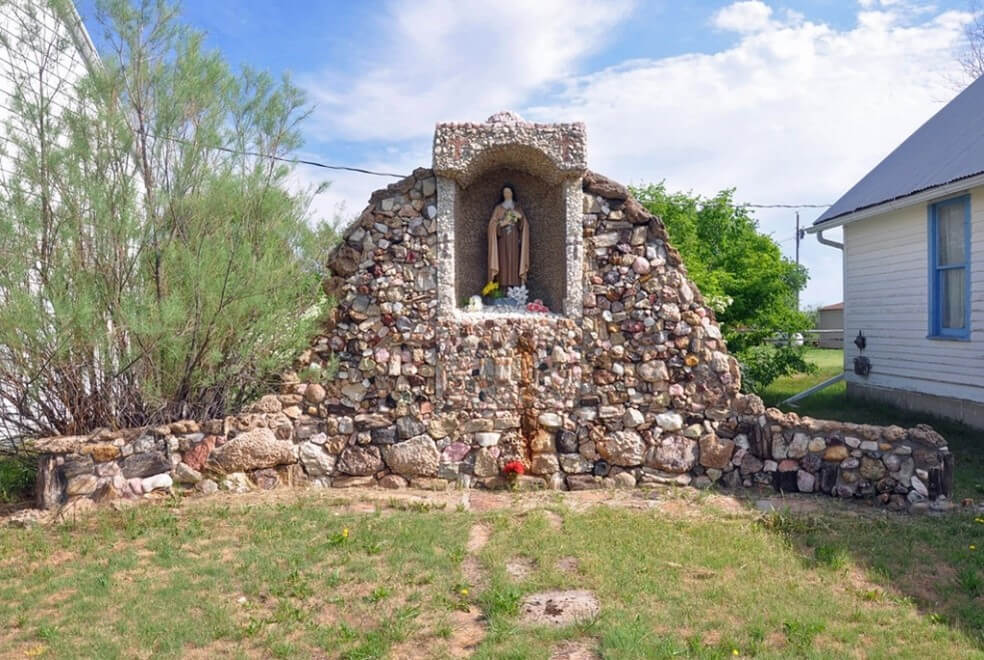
pixel 512 471
pixel 491 290
pixel 518 294
pixel 538 306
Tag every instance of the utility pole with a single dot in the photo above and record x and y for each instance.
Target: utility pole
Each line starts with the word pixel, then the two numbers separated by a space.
pixel 800 233
pixel 797 238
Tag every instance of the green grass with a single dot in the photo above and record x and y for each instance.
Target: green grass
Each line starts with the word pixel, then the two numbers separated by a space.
pixel 689 578
pixel 967 444
pixel 286 580
pixel 16 478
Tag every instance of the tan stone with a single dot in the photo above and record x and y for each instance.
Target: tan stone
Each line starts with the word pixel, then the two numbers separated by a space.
pixel 101 452
pixel 715 452
pixel 836 453
pixel 542 442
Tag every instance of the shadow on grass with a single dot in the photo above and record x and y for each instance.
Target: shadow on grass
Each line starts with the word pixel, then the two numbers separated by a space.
pixel 936 563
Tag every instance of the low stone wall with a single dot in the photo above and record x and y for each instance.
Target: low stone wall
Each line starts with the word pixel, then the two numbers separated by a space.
pixel 279 442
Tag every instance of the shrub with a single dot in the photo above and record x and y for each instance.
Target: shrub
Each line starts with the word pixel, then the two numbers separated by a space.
pixel 152 271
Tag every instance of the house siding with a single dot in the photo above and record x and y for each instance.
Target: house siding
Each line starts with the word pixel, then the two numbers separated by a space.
pixel 52 63
pixel 886 295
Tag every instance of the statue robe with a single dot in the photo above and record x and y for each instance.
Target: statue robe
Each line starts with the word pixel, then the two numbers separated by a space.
pixel 509 247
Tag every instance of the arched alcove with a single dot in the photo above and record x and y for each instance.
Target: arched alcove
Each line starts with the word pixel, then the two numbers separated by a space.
pixel 543 204
pixel 544 163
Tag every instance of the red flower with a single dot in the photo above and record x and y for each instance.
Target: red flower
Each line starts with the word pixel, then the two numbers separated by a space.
pixel 513 467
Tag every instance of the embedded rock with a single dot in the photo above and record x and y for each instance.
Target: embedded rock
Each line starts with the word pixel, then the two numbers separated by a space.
pixel 360 461
pixel 715 452
pixel 669 421
pixel 673 453
pixel 624 448
pixel 253 450
pixel 83 484
pixel 145 464
pixel 416 457
pixel 157 482
pixel 316 461
pixel 185 474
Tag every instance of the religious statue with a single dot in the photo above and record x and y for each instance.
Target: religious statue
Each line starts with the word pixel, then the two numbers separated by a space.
pixel 509 242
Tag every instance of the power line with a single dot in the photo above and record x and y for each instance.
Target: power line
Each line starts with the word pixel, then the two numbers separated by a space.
pixel 786 206
pixel 296 161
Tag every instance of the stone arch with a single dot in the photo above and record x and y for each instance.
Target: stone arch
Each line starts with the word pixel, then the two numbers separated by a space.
pixel 545 163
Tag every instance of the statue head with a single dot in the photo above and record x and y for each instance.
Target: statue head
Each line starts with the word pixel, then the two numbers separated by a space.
pixel 508 194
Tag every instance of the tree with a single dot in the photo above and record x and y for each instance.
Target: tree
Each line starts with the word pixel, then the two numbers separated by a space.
pixel 150 270
pixel 742 275
pixel 971 54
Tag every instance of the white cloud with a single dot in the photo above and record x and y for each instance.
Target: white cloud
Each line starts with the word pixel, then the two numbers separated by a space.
pixel 795 111
pixel 791 113
pixel 744 16
pixel 464 60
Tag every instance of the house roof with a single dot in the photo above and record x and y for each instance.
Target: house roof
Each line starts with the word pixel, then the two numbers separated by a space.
pixel 831 308
pixel 947 148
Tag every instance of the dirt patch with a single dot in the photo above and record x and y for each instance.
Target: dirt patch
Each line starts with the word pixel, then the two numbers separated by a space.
pixel 472 571
pixel 574 651
pixel 467 632
pixel 559 608
pixel 520 568
pixel 567 565
pixel 478 536
pixel 554 520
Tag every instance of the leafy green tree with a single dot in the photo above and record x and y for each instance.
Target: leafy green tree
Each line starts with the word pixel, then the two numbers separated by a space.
pixel 150 270
pixel 742 275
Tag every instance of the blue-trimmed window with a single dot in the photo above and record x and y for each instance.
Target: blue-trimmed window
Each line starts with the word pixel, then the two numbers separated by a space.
pixel 949 268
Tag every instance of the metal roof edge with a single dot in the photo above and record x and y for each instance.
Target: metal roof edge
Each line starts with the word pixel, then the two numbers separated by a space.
pixel 915 197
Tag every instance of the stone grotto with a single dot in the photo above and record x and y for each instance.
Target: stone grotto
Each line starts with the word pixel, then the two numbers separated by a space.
pixel 588 359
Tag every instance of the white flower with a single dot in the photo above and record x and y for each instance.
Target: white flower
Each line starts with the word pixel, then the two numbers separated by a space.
pixel 518 294
pixel 475 304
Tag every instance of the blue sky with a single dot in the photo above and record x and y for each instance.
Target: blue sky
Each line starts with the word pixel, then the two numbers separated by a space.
pixel 788 102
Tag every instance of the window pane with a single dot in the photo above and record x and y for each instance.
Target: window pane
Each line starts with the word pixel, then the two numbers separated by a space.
pixel 950 239
pixel 953 281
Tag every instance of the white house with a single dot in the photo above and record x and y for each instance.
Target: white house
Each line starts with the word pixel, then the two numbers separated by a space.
pixel 914 268
pixel 44 51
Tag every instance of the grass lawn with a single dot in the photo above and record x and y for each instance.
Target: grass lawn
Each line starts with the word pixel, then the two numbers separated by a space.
pixel 309 575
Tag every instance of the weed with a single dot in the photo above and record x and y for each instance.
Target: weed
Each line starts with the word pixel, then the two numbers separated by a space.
pixel 378 594
pixel 801 634
pixel 971 582
pixel 831 556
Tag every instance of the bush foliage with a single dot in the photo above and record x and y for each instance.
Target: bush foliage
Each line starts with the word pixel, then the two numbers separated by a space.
pixel 151 271
pixel 741 274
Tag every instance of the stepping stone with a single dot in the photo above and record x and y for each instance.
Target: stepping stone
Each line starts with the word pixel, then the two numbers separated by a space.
pixel 574 651
pixel 520 568
pixel 559 608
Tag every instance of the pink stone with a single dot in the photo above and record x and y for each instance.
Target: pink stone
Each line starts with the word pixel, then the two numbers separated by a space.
pixel 136 485
pixel 196 456
pixel 455 452
pixel 676 389
pixel 640 266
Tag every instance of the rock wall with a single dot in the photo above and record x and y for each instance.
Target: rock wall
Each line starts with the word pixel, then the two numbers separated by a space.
pixel 637 390
pixel 276 444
